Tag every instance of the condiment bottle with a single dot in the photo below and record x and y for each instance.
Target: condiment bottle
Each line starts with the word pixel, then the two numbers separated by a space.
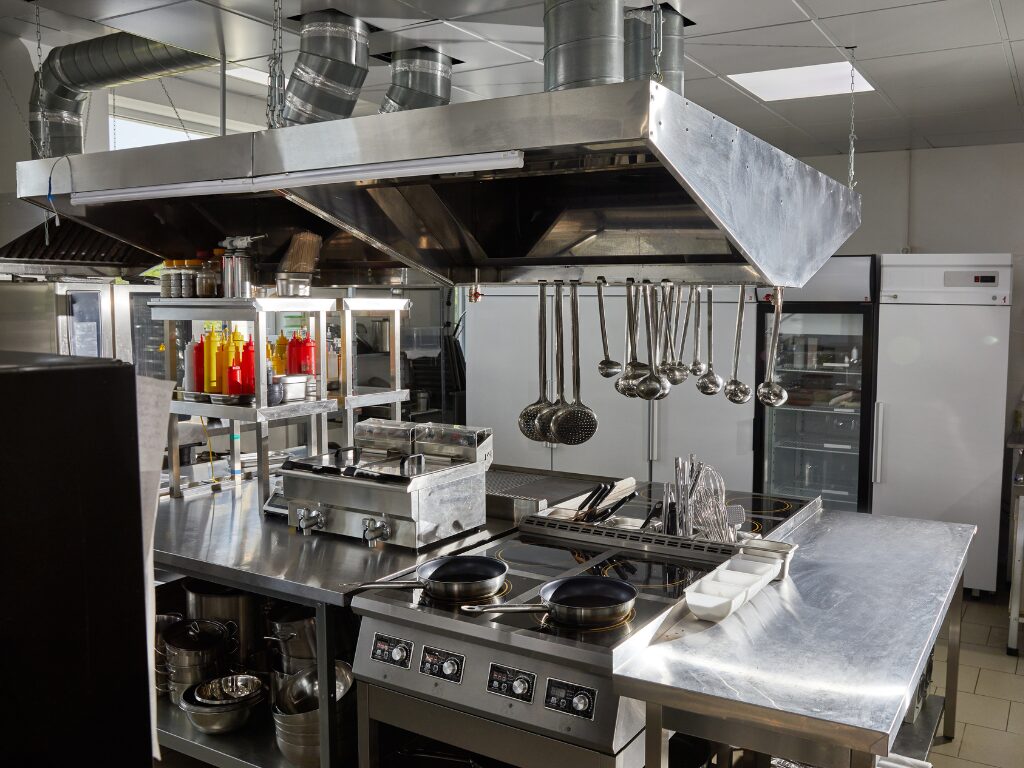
pixel 211 351
pixel 199 366
pixel 188 379
pixel 281 355
pixel 293 353
pixel 234 380
pixel 249 367
pixel 307 357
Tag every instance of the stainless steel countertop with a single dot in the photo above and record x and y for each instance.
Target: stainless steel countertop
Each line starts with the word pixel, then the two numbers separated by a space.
pixel 831 652
pixel 224 537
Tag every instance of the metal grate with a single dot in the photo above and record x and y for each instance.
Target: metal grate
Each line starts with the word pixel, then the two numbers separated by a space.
pixel 500 483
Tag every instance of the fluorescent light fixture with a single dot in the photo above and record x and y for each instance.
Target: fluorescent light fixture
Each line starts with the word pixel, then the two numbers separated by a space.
pixel 248 74
pixel 802 82
pixel 398 169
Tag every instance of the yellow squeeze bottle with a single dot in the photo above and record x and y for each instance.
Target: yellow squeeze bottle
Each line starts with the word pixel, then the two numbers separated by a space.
pixel 211 348
pixel 281 355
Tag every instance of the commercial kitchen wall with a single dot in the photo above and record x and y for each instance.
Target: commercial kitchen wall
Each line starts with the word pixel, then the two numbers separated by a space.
pixel 953 200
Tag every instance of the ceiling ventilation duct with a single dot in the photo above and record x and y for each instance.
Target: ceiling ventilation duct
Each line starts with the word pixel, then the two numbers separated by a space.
pixel 639 62
pixel 583 43
pixel 330 69
pixel 71 71
pixel 419 78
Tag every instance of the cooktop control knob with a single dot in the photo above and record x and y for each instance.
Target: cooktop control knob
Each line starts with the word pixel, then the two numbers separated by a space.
pixel 398 653
pixel 580 702
pixel 520 686
pixel 450 667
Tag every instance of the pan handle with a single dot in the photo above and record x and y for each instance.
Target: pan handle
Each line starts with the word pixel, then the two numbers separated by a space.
pixel 382 585
pixel 507 608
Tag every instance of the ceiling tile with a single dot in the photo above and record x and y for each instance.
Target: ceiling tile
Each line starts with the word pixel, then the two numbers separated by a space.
pixel 969 122
pixel 714 16
pixel 521 29
pixel 103 9
pixel 796 142
pixel 198 27
pixel 458 9
pixel 733 105
pixel 916 28
pixel 449 39
pixel 867 130
pixel 51 36
pixel 1013 14
pixel 975 138
pixel 788 45
pixel 383 14
pixel 825 8
pixel 1017 54
pixel 262 10
pixel 824 109
pixel 893 144
pixel 526 73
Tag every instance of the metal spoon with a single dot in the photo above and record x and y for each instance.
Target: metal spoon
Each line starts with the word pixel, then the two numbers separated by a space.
pixel 633 370
pixel 683 370
pixel 576 423
pixel 770 392
pixel 650 387
pixel 710 383
pixel 697 368
pixel 735 390
pixel 545 416
pixel 528 416
pixel 673 368
pixel 608 368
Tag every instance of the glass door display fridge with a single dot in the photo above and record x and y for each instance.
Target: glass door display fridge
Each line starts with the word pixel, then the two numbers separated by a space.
pixel 819 441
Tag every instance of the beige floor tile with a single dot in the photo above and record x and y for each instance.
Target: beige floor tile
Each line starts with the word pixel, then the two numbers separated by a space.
pixel 1000 685
pixel 982 710
pixel 952 748
pixel 998 748
pixel 940 650
pixel 997 637
pixel 1016 723
pixel 1020 665
pixel 986 657
pixel 975 633
pixel 945 761
pixel 966 682
pixel 992 614
pixel 939 690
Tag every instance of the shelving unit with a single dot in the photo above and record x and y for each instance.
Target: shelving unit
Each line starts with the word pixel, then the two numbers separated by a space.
pixel 253 311
pixel 251 747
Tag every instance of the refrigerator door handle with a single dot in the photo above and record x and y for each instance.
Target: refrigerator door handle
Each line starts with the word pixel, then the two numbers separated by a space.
pixel 876 448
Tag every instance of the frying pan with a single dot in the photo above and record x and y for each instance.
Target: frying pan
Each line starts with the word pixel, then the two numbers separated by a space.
pixel 452 578
pixel 575 601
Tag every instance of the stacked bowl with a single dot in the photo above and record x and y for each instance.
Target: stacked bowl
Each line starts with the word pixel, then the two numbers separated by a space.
pixel 194 652
pixel 223 704
pixel 293 637
pixel 297 714
pixel 164 621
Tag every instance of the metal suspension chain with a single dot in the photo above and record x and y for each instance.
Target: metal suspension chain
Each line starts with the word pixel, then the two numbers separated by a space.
pixel 656 40
pixel 113 124
pixel 275 81
pixel 171 102
pixel 85 123
pixel 43 148
pixel 851 170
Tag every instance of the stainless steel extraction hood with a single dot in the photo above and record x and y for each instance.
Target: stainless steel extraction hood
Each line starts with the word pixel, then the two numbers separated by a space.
pixel 623 180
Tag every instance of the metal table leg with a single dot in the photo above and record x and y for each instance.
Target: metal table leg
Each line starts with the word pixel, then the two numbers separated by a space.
pixel 1017 537
pixel 174 456
pixel 655 756
pixel 862 760
pixel 954 617
pixel 369 754
pixel 325 679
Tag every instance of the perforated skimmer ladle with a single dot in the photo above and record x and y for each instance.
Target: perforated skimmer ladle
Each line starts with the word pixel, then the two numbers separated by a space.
pixel 528 416
pixel 545 416
pixel 770 392
pixel 576 423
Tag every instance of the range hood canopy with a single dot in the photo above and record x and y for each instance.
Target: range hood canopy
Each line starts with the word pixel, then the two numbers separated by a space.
pixel 621 181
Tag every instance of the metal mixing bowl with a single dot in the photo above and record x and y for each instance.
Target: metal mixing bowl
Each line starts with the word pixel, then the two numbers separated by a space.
pixel 228 690
pixel 303 757
pixel 301 693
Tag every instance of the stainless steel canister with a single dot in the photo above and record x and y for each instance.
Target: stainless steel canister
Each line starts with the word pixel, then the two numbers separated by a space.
pixel 243 275
pixel 235 609
pixel 227 274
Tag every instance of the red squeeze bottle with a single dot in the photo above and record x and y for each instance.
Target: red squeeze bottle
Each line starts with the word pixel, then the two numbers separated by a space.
pixel 235 380
pixel 249 368
pixel 198 364
pixel 293 353
pixel 307 357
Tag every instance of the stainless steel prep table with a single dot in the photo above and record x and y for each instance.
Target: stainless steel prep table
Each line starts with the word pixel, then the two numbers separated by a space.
pixel 820 667
pixel 224 537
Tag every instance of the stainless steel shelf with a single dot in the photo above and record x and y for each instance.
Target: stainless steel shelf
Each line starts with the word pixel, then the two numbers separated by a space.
pixel 251 413
pixel 914 740
pixel 793 445
pixel 370 396
pixel 251 747
pixel 838 371
pixel 821 409
pixel 234 309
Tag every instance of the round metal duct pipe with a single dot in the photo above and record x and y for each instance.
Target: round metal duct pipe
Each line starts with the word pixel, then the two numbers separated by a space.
pixel 330 69
pixel 419 78
pixel 583 43
pixel 639 59
pixel 71 71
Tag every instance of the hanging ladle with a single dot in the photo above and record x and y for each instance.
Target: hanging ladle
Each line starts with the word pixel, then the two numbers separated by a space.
pixel 697 368
pixel 608 368
pixel 735 390
pixel 770 392
pixel 576 423
pixel 710 383
pixel 672 367
pixel 633 370
pixel 529 414
pixel 545 416
pixel 654 385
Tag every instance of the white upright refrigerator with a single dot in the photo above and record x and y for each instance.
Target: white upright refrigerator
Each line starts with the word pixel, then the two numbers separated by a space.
pixel 939 419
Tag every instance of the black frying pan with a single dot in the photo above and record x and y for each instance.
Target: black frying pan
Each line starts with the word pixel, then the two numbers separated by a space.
pixel 575 601
pixel 453 578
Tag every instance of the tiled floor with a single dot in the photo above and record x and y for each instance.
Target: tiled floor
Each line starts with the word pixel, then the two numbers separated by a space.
pixel 990 708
